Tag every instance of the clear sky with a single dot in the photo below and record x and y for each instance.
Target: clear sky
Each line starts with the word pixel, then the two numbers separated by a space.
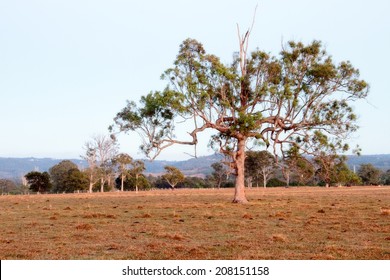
pixel 68 66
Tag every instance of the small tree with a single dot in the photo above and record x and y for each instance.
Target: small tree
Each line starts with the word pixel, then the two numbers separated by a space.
pixel 173 176
pixel 260 165
pixel 219 173
pixel 326 167
pixel 298 168
pixel 7 185
pixel 75 181
pixel 346 176
pixel 386 178
pixel 304 170
pixel 332 169
pixel 123 160
pixel 287 165
pixel 369 174
pixel 100 154
pixel 59 174
pixel 138 167
pixel 92 170
pixel 38 182
pixel 133 183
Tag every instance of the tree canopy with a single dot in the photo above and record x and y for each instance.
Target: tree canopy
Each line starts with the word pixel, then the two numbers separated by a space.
pixel 259 164
pixel 101 155
pixel 173 176
pixel 370 175
pixel 219 173
pixel 38 182
pixel 298 100
pixel 122 160
pixel 59 175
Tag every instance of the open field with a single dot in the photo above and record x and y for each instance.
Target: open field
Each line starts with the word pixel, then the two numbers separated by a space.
pixel 279 223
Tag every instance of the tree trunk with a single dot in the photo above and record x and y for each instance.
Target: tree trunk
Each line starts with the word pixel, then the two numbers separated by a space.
pixel 288 180
pixel 90 183
pixel 102 182
pixel 239 194
pixel 109 182
pixel 136 183
pixel 122 182
pixel 264 173
pixel 249 182
pixel 286 174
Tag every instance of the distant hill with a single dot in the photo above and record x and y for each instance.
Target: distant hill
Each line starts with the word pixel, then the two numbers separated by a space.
pixel 15 168
pixel 379 161
pixel 198 167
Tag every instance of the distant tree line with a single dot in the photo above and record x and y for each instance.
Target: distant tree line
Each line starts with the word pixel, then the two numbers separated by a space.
pixel 322 170
pixel 120 172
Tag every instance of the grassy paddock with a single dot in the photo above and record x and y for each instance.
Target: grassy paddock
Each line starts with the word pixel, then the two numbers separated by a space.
pixel 278 223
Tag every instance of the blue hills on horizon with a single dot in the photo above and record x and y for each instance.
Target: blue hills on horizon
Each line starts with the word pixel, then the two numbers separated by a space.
pixel 16 168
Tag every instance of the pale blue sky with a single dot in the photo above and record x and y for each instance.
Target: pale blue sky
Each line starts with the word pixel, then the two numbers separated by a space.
pixel 68 66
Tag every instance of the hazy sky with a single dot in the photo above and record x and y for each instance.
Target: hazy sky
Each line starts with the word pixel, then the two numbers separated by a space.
pixel 68 66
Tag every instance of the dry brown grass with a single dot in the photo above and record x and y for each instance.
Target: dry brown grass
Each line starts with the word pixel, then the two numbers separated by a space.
pixel 294 223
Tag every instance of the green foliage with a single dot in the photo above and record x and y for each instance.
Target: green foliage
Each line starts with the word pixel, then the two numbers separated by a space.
pixel 138 167
pixel 130 183
pixel 38 182
pixel 302 169
pixel 194 183
pixel 66 177
pixel 122 161
pixel 369 174
pixel 75 180
pixel 275 182
pixel 59 174
pixel 154 118
pixel 159 183
pixel 302 92
pixel 386 178
pixel 332 169
pixel 259 165
pixel 346 176
pixel 173 176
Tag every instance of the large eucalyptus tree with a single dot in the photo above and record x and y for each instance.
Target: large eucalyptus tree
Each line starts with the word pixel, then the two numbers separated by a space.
pixel 298 100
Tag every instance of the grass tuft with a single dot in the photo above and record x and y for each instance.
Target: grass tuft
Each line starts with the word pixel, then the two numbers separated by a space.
pixel 98 216
pixel 385 211
pixel 247 216
pixel 279 238
pixel 84 227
